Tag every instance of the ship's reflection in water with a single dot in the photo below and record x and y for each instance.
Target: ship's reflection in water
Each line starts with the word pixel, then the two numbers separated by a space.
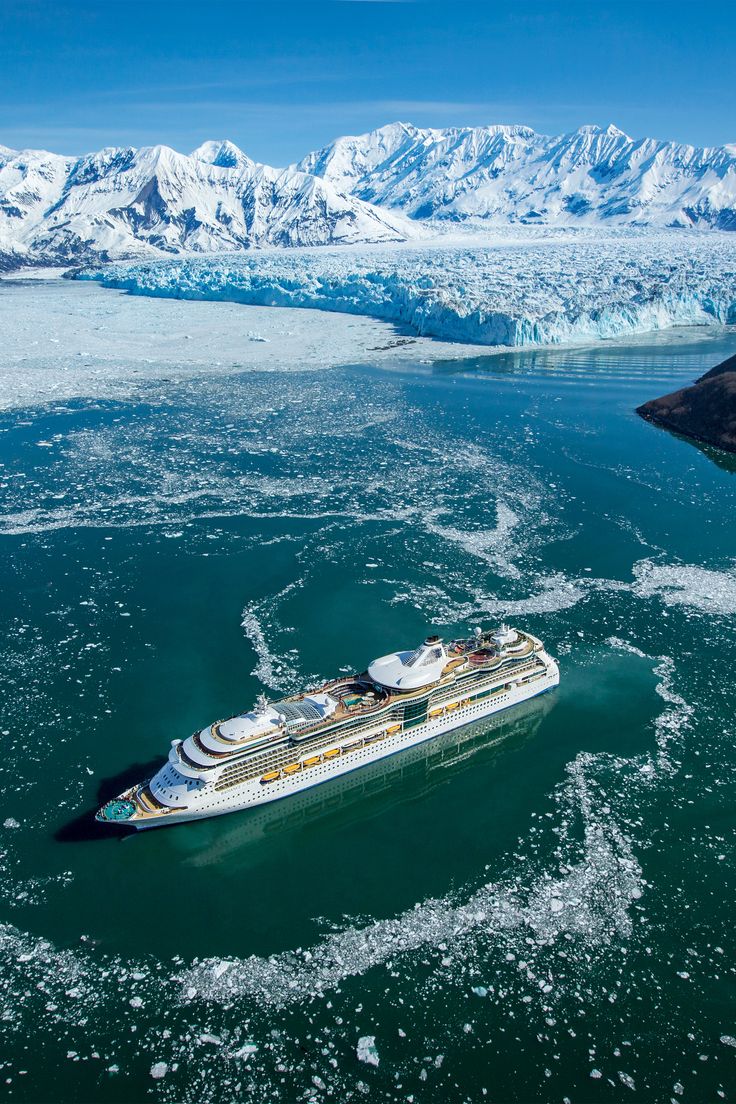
pixel 366 792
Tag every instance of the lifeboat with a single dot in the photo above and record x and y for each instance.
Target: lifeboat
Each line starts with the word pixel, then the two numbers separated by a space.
pixel 312 762
pixel 292 768
pixel 451 705
pixel 331 753
pixel 392 729
pixel 437 712
pixel 271 776
pixel 352 745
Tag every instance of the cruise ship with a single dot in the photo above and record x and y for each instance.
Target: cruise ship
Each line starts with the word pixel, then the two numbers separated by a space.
pixel 279 748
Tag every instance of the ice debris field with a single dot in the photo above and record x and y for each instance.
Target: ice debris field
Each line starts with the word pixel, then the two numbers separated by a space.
pixel 536 290
pixel 578 945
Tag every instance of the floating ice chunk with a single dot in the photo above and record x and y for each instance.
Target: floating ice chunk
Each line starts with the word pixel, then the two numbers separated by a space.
pixel 627 1080
pixel 480 990
pixel 728 1040
pixel 159 1070
pixel 246 1050
pixel 10 822
pixel 366 1050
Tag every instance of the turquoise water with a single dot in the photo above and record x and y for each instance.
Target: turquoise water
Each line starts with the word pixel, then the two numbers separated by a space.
pixel 538 908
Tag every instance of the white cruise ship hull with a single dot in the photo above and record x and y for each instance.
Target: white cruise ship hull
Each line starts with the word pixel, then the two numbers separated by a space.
pixel 213 802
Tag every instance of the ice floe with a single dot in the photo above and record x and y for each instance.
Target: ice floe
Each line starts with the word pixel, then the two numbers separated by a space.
pixel 366 1050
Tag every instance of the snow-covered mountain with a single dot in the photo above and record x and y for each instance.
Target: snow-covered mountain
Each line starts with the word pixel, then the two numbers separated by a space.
pixel 125 202
pixel 385 186
pixel 513 174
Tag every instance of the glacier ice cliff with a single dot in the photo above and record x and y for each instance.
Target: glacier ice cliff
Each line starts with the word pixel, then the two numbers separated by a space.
pixel 533 292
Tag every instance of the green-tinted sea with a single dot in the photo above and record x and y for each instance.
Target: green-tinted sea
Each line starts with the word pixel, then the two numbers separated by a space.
pixel 540 908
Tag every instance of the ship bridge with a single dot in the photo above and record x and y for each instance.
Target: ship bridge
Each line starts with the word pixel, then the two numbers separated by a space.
pixel 410 670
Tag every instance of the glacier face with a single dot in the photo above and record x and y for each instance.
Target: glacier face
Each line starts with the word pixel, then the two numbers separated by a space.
pixel 393 184
pixel 537 291
pixel 513 174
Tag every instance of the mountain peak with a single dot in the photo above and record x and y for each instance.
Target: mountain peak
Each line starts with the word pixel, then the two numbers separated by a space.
pixel 610 131
pixel 223 153
pixel 511 130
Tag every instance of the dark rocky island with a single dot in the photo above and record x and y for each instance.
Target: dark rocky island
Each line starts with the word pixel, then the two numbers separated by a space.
pixel 706 411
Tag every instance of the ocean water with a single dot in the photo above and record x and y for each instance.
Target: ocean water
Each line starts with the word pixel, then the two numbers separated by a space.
pixel 535 908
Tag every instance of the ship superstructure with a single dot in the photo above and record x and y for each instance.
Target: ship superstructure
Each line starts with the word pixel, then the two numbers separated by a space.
pixel 281 747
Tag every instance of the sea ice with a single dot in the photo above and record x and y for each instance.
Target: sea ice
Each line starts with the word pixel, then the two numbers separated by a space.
pixel 65 340
pixel 366 1050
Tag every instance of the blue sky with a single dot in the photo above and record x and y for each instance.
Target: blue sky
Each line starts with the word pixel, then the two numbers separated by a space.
pixel 280 79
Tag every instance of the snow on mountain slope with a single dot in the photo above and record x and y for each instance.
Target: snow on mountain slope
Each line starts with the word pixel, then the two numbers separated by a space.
pixel 511 173
pixel 123 202
pixel 30 182
pixel 580 287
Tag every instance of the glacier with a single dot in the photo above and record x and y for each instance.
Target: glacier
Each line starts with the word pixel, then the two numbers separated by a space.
pixel 535 290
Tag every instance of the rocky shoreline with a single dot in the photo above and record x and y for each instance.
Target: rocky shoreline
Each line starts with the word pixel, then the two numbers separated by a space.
pixel 705 411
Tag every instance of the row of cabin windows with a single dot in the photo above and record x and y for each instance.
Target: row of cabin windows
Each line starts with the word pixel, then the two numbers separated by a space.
pixel 236 776
pixel 253 767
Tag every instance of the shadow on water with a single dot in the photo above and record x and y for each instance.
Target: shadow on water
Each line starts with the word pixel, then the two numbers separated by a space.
pixel 369 791
pixel 722 459
pixel 84 827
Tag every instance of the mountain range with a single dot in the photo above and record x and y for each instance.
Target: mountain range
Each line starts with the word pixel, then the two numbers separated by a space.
pixel 392 184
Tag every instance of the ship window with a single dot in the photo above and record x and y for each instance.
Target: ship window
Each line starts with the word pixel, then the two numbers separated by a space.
pixel 298 713
pixel 426 656
pixel 432 657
